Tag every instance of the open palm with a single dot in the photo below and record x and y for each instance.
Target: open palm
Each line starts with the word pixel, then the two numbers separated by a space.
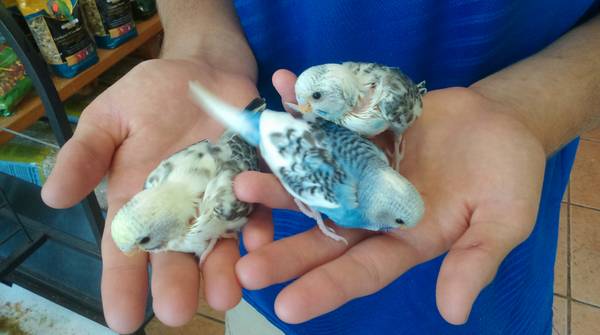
pixel 144 118
pixel 480 174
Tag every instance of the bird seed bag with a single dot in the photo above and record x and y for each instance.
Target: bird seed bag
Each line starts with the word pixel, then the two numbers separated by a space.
pixel 110 21
pixel 143 9
pixel 59 33
pixel 14 84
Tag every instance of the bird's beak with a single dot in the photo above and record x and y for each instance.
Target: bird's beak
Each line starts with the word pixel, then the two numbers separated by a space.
pixel 302 108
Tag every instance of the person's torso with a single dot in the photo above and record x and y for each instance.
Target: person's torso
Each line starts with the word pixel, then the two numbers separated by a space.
pixel 446 43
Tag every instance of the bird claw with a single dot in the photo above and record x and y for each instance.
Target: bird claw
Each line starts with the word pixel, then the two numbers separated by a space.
pixel 206 252
pixel 399 148
pixel 328 231
pixel 311 213
pixel 304 209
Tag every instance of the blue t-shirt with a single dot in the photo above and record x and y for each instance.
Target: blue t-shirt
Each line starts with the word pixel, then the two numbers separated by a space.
pixel 447 43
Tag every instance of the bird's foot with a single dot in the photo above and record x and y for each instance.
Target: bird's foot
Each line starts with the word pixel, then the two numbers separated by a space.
pixel 311 213
pixel 328 231
pixel 399 147
pixel 304 209
pixel 206 252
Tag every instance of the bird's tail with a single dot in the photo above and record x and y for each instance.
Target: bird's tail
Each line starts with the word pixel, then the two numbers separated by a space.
pixel 422 87
pixel 241 121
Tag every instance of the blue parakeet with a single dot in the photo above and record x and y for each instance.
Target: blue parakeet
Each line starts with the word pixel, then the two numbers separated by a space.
pixel 329 168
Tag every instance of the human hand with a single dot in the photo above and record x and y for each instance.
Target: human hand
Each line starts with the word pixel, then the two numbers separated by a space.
pixel 480 173
pixel 144 118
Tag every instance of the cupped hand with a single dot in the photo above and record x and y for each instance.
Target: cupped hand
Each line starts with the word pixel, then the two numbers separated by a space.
pixel 480 173
pixel 143 118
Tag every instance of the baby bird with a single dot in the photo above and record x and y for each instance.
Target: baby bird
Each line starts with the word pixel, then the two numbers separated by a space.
pixel 327 167
pixel 367 98
pixel 188 202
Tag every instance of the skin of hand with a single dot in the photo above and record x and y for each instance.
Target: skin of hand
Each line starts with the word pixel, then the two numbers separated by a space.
pixel 477 155
pixel 480 174
pixel 126 132
pixel 143 118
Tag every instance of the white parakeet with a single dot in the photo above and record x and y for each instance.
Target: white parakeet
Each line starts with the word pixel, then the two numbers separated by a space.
pixel 367 98
pixel 188 201
pixel 325 167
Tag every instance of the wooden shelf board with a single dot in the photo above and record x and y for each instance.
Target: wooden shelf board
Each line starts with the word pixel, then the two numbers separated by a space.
pixel 31 109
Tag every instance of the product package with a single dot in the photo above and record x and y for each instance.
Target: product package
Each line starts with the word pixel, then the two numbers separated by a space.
pixel 59 33
pixel 14 84
pixel 110 21
pixel 143 9
pixel 13 9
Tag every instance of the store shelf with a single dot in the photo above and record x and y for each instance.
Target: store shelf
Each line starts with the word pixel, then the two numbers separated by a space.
pixel 31 108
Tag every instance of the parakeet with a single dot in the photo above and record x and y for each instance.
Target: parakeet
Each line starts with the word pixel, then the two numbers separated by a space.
pixel 329 168
pixel 367 98
pixel 187 202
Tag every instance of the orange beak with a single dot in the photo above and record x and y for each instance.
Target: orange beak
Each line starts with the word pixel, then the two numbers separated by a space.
pixel 302 108
pixel 305 108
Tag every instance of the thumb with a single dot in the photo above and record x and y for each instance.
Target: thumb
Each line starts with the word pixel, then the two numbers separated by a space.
pixel 83 160
pixel 284 81
pixel 262 188
pixel 472 262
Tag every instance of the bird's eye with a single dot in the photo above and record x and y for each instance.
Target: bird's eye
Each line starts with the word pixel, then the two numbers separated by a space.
pixel 399 221
pixel 145 240
pixel 316 95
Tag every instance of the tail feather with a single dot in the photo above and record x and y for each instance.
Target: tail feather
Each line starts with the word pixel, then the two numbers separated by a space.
pixel 241 121
pixel 422 87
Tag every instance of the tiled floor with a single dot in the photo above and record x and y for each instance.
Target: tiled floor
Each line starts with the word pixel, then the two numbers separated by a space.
pixel 577 269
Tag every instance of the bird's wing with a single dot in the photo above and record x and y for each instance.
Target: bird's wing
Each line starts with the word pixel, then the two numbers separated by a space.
pixel 243 155
pixel 242 152
pixel 297 155
pixel 365 117
pixel 197 159
pixel 219 192
pixel 398 98
pixel 219 196
pixel 220 200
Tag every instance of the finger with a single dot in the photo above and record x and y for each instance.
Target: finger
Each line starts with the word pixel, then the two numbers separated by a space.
pixel 291 257
pixel 259 229
pixel 221 287
pixel 175 287
pixel 262 188
pixel 472 263
pixel 283 81
pixel 124 286
pixel 85 158
pixel 362 270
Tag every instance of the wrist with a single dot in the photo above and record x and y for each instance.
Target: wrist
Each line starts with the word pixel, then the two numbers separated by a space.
pixel 477 109
pixel 504 104
pixel 206 31
pixel 222 51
